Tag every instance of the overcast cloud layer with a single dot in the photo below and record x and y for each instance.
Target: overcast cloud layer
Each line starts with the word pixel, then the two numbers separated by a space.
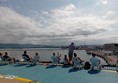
pixel 59 26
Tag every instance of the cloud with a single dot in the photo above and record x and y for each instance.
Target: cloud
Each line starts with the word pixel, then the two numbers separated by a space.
pixel 70 21
pixel 104 2
pixel 15 28
pixel 57 26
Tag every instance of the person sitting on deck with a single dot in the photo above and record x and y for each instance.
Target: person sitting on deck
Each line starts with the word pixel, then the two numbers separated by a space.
pixel 36 58
pixel 95 62
pixel 58 57
pixel 54 59
pixel 77 62
pixel 25 56
pixel 1 58
pixel 65 61
pixel 6 57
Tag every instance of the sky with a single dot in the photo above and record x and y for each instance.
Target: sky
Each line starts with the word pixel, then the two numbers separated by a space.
pixel 58 22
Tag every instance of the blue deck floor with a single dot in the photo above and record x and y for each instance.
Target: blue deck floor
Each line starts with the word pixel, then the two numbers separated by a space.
pixel 59 74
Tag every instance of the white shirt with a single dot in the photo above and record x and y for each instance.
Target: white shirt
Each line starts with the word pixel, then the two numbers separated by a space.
pixel 76 61
pixel 36 58
pixel 54 59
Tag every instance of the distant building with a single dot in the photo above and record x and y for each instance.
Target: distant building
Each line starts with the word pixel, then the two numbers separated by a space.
pixel 110 46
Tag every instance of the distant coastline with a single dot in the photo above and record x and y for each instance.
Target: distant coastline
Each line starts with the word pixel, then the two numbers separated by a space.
pixel 20 46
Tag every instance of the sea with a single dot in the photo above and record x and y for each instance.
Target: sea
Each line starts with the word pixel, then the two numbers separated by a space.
pixel 46 53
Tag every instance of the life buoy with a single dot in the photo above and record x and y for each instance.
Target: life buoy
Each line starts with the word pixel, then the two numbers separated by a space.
pixel 10 76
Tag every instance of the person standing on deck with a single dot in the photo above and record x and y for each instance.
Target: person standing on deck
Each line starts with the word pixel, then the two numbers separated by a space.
pixel 70 52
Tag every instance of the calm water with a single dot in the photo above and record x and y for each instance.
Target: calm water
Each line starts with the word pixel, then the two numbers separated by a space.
pixel 46 53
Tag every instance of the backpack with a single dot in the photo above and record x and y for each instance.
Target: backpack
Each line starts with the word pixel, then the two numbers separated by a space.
pixel 87 65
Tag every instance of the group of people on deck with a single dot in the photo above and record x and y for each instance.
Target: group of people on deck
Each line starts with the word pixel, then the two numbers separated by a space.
pixel 76 62
pixel 73 60
pixel 34 60
pixel 25 58
pixel 69 60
